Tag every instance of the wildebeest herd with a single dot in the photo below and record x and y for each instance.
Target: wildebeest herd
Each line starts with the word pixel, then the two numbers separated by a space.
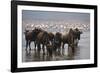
pixel 50 43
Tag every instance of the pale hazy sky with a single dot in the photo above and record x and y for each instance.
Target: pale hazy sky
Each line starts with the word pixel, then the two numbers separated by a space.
pixel 29 16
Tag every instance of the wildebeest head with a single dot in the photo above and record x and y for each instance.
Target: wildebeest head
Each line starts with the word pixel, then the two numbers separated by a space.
pixel 77 33
pixel 36 31
pixel 46 37
pixel 57 38
pixel 51 36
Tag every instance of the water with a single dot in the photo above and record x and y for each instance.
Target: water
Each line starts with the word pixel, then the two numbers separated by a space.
pixel 82 51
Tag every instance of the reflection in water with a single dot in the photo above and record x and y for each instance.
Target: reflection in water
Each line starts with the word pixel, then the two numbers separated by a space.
pixel 33 56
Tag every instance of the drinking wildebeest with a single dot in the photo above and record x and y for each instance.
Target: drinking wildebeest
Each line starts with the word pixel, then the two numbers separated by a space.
pixel 42 38
pixel 57 42
pixel 31 36
pixel 71 38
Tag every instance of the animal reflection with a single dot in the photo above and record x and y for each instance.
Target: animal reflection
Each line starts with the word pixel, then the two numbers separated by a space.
pixel 50 44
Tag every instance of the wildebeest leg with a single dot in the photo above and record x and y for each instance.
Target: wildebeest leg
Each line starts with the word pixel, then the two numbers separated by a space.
pixel 35 46
pixel 55 50
pixel 76 42
pixel 63 48
pixel 69 51
pixel 43 49
pixel 26 45
pixel 73 50
pixel 48 50
pixel 59 49
pixel 29 45
pixel 38 49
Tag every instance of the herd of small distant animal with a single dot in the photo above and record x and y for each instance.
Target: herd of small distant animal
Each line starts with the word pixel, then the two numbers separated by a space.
pixel 52 44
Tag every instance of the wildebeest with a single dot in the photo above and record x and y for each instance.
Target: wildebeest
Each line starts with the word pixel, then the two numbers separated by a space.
pixel 31 36
pixel 57 42
pixel 71 38
pixel 42 39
